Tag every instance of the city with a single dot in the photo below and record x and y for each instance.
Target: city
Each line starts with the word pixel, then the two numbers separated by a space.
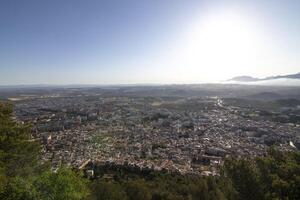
pixel 181 133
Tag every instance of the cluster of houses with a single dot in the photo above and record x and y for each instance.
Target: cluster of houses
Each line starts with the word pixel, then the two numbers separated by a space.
pixel 150 133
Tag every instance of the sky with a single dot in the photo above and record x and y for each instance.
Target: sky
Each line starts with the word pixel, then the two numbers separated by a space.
pixel 146 41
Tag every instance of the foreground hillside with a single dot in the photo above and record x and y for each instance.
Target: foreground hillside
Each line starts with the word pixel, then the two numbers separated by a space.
pixel 24 176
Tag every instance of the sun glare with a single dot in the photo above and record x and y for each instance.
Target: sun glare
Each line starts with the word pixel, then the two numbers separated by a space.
pixel 220 43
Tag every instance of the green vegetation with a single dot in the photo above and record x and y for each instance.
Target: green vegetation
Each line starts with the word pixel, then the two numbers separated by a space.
pixel 162 186
pixel 276 176
pixel 23 176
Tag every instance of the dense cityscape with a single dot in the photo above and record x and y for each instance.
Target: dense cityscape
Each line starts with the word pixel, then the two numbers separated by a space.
pixel 185 134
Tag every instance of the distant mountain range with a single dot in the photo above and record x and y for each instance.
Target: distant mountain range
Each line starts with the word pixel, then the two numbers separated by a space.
pixel 253 79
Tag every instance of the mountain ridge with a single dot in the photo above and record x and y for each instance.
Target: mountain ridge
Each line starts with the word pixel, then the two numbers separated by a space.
pixel 253 79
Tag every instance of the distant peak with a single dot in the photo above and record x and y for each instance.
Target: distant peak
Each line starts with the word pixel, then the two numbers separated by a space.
pixel 244 79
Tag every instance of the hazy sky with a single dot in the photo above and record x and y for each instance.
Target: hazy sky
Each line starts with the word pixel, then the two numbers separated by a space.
pixel 146 41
